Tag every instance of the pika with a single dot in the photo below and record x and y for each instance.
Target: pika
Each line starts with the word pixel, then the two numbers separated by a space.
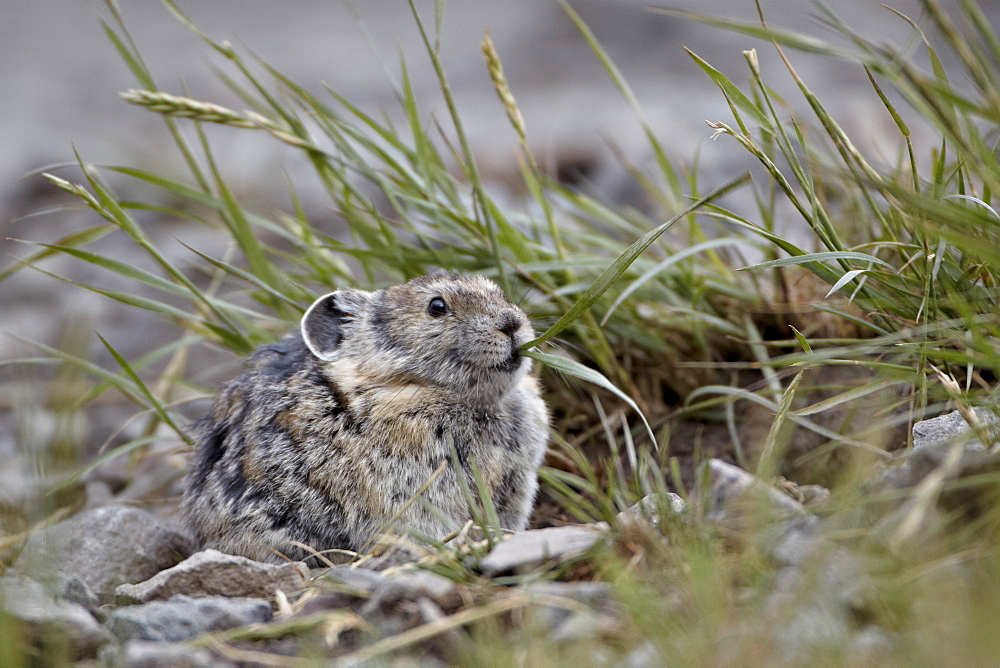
pixel 380 411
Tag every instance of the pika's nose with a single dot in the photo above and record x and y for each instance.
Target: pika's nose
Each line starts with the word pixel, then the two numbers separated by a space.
pixel 509 322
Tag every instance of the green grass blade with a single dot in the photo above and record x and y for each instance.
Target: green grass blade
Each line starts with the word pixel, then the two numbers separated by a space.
pixel 231 339
pixel 845 279
pixel 577 370
pixel 239 226
pixel 733 94
pixel 127 388
pixel 790 38
pixel 845 397
pixel 249 278
pixel 122 449
pixel 72 240
pixel 623 261
pixel 132 59
pixel 666 264
pixel 772 452
pixel 153 401
pixel 144 361
pixel 818 257
pixel 129 271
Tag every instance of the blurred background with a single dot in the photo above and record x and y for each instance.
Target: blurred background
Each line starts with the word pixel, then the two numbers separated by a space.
pixel 61 78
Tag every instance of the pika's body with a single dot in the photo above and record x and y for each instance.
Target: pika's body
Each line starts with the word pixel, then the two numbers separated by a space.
pixel 330 436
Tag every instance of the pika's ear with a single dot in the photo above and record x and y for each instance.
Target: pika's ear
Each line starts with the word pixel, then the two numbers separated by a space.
pixel 324 325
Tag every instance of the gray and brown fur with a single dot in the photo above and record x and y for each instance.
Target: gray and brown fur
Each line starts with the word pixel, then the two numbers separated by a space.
pixel 332 430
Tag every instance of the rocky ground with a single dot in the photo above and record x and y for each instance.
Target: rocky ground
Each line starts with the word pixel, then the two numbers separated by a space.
pixel 123 587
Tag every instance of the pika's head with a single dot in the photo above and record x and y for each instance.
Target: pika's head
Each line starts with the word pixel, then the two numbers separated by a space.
pixel 449 330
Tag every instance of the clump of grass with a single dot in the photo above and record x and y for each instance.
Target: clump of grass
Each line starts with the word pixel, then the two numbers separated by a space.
pixel 409 203
pixel 918 260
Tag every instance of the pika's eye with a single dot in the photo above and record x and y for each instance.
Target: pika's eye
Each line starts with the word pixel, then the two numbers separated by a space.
pixel 437 308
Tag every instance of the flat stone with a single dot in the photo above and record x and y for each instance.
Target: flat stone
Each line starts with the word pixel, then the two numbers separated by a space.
pixel 546 608
pixel 152 654
pixel 214 573
pixel 408 599
pixel 45 619
pixel 449 642
pixel 412 586
pixel 584 626
pixel 648 508
pixel 872 646
pixel 815 603
pixel 358 579
pixel 742 503
pixel 105 547
pixel 644 655
pixel 530 549
pixel 933 440
pixel 185 617
pixel 792 541
pixel 341 587
pixel 74 589
pixel 733 493
pixel 942 430
pixel 596 595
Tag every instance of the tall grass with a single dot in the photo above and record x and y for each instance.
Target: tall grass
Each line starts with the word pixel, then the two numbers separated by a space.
pixel 411 200
pixel 919 257
pixel 663 329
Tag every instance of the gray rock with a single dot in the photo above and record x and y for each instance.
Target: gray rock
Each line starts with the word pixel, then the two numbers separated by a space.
pixel 644 655
pixel 98 494
pixel 738 501
pixel 555 603
pixel 940 431
pixel 792 541
pixel 105 547
pixel 596 595
pixel 735 496
pixel 813 496
pixel 911 527
pixel 815 603
pixel 341 587
pixel 213 573
pixel 530 549
pixel 410 599
pixel 444 643
pixel 358 579
pixel 151 654
pixel 649 507
pixel 932 441
pixel 46 619
pixel 402 617
pixel 871 646
pixel 585 626
pixel 412 586
pixel 74 589
pixel 184 617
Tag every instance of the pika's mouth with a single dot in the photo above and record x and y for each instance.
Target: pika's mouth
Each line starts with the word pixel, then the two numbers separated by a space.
pixel 512 363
